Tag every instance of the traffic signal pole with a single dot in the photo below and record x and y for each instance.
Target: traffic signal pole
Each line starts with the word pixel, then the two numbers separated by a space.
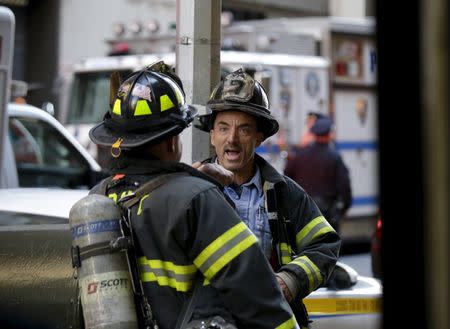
pixel 198 65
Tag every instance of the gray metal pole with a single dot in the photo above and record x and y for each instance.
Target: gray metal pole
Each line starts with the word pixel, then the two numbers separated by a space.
pixel 7 31
pixel 198 64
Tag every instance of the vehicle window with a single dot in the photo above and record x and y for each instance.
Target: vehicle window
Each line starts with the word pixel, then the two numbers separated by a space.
pixel 44 156
pixel 89 99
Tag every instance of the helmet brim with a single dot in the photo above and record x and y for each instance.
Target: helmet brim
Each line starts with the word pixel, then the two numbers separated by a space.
pixel 104 136
pixel 269 125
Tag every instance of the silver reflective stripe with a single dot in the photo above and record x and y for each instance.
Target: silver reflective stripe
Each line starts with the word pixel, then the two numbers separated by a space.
pixel 311 271
pixel 162 272
pixel 224 249
pixel 316 228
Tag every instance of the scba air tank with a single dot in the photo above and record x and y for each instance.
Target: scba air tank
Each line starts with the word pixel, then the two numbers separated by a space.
pixel 105 283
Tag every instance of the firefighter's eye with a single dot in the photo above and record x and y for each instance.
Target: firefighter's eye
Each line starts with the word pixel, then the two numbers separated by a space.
pixel 245 131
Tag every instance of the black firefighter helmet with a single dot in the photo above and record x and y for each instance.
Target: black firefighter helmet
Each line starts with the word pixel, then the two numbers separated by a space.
pixel 238 91
pixel 148 107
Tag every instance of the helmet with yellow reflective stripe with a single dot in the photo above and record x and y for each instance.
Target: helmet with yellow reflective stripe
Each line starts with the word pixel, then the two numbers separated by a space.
pixel 148 107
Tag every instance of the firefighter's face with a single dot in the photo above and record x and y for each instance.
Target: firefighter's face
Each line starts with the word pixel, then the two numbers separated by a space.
pixel 235 138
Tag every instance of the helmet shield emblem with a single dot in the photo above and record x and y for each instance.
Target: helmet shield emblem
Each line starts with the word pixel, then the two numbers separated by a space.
pixel 239 91
pixel 149 106
pixel 238 86
pixel 143 92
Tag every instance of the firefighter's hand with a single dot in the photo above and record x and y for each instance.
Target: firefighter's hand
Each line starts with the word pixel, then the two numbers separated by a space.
pixel 285 289
pixel 219 173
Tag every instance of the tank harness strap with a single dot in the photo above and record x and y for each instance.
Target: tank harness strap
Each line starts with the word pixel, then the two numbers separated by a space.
pixel 129 200
pixel 100 248
pixel 103 186
pixel 126 203
pixel 189 304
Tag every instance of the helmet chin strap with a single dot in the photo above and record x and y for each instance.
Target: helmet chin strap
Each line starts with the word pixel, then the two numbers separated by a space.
pixel 115 148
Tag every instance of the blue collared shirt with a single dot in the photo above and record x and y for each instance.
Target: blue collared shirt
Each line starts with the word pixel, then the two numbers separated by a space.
pixel 249 201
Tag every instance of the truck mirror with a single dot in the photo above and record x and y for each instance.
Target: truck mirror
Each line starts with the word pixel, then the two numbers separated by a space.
pixel 49 108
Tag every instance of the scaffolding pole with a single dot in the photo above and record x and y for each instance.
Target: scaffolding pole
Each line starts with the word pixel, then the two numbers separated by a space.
pixel 198 64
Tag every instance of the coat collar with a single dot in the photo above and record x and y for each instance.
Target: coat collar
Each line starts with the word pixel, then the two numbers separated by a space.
pixel 131 165
pixel 268 172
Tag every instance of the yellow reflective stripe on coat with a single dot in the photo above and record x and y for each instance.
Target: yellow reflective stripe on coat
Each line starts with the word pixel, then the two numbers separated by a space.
pixel 179 277
pixel 286 252
pixel 316 228
pixel 312 271
pixel 289 324
pixel 142 108
pixel 139 211
pixel 224 249
pixel 115 197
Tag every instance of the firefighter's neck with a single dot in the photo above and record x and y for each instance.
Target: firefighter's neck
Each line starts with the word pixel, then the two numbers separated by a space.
pixel 167 150
pixel 323 139
pixel 244 174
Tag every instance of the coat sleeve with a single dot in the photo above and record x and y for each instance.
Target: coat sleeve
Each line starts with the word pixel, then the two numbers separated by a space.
pixel 317 243
pixel 227 253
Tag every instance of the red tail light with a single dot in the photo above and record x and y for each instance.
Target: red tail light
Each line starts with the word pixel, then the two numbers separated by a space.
pixel 378 229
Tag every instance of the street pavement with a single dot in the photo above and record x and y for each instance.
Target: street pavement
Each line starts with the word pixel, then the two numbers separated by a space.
pixel 360 262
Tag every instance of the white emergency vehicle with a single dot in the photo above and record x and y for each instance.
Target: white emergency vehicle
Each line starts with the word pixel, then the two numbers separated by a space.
pixel 296 85
pixel 349 44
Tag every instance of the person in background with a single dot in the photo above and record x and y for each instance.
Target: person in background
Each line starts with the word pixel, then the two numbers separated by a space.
pixel 321 171
pixel 299 242
pixel 185 228
pixel 308 137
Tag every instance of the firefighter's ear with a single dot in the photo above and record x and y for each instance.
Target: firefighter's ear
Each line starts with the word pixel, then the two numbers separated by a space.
pixel 170 144
pixel 259 138
pixel 114 84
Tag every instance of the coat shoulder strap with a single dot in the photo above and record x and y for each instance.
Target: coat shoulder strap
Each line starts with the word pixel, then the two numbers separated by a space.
pixel 131 199
pixel 102 187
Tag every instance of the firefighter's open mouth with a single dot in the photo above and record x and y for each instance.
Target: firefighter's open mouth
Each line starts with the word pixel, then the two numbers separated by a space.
pixel 232 154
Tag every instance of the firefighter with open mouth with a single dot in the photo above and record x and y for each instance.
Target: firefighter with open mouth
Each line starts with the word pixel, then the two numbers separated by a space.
pixel 188 238
pixel 299 242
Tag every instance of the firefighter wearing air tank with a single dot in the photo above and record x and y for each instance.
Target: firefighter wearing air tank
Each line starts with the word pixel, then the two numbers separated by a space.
pixel 187 236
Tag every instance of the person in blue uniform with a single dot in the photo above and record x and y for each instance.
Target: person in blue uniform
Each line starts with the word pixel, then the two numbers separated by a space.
pixel 321 171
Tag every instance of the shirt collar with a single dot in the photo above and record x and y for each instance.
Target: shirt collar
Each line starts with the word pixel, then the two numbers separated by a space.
pixel 256 179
